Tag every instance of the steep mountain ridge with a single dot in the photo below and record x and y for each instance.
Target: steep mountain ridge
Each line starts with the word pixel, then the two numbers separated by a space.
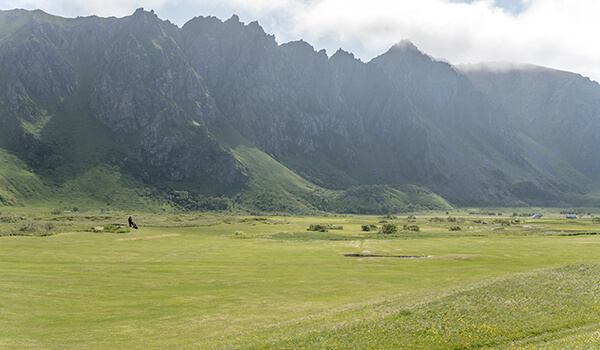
pixel 560 109
pixel 464 119
pixel 135 81
pixel 183 115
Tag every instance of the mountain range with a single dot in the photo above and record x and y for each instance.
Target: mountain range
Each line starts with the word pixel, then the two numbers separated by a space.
pixel 138 113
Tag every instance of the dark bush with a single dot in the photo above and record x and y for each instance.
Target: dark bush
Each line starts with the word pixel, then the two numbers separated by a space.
pixel 368 228
pixel 389 228
pixel 411 228
pixel 319 228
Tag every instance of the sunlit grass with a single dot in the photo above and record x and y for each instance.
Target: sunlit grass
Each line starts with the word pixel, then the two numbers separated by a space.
pixel 188 281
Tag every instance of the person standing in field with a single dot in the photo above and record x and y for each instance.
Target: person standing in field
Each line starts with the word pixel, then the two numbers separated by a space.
pixel 131 223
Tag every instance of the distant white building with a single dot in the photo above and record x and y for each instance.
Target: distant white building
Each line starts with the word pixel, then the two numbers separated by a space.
pixel 537 216
pixel 571 216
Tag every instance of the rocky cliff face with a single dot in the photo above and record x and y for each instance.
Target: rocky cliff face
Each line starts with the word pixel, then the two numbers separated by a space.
pixel 34 80
pixel 404 117
pixel 135 80
pixel 296 103
pixel 259 89
pixel 559 109
pixel 155 95
pixel 461 119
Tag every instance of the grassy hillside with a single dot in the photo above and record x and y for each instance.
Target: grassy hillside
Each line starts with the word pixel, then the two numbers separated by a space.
pixel 101 187
pixel 274 188
pixel 18 185
pixel 271 186
pixel 81 164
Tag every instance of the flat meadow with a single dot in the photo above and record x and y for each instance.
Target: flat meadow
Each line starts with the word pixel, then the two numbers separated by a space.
pixel 464 280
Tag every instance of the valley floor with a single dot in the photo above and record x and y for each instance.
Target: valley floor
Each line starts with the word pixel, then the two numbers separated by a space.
pixel 209 281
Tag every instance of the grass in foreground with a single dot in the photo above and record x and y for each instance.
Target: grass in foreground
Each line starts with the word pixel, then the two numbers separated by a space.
pixel 523 311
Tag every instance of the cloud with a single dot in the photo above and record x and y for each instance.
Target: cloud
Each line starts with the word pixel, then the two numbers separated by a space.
pixel 555 33
pixel 73 8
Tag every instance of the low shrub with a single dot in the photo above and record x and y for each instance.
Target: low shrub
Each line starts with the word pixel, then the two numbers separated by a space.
pixel 239 234
pixel 318 227
pixel 30 228
pixel 368 228
pixel 502 221
pixel 436 219
pixel 11 219
pixel 389 228
pixel 411 228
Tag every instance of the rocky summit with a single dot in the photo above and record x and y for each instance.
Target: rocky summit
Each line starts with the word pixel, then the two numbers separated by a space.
pixel 136 112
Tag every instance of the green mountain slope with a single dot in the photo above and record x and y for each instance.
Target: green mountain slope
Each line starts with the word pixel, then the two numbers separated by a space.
pixel 17 185
pixel 559 110
pixel 136 112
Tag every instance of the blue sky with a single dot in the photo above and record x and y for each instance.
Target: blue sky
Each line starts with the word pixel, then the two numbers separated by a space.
pixel 559 34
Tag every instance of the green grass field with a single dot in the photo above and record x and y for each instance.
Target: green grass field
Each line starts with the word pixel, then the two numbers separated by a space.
pixel 200 281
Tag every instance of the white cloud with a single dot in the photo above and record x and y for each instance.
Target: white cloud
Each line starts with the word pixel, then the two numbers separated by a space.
pixel 554 33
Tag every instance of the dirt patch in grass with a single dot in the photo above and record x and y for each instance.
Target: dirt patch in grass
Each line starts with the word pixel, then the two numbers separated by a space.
pixel 148 237
pixel 359 255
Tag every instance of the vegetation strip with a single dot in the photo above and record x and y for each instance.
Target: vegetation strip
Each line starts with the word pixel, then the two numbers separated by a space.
pixel 386 256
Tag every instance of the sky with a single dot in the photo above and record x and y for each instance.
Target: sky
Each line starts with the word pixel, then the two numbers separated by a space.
pixel 559 34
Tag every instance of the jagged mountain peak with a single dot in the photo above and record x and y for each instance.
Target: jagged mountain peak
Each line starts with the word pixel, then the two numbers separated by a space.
pixel 37 14
pixel 343 55
pixel 300 50
pixel 402 53
pixel 235 22
pixel 300 45
pixel 234 19
pixel 405 45
pixel 142 12
pixel 148 22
